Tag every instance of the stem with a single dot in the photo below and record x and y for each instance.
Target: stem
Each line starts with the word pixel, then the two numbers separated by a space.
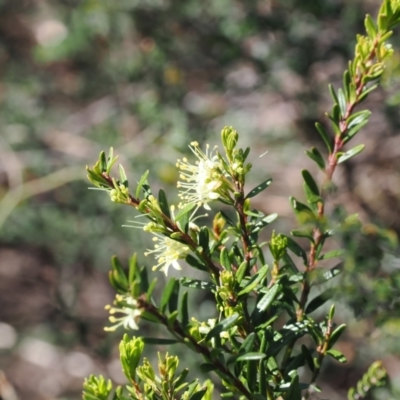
pixel 318 234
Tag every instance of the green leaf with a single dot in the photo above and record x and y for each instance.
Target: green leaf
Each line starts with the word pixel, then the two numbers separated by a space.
pixel 198 395
pixel 257 226
pixel 342 102
pixel 262 186
pixel 332 254
pixel 325 137
pixel 144 279
pixel 308 357
pixel 309 180
pixel 224 259
pixel 132 268
pixel 321 299
pixel 168 292
pixel 103 162
pixel 158 341
pixel 252 356
pixel 337 355
pixel 162 200
pixel 301 210
pixel 269 297
pixel 97 179
pixel 351 153
pixel 307 233
pixel 333 94
pixel 370 26
pixel 296 249
pixel 357 118
pixel 184 310
pixel 227 219
pixel 333 272
pixel 195 263
pixel 204 238
pixel 316 156
pixel 182 218
pixel 353 131
pixel 254 281
pixel 222 326
pixel 122 175
pixel 346 84
pixel 335 335
pixel 196 284
pixel 294 392
pixel 117 275
pixel 290 264
pixel 251 374
pixel 141 182
pixel 151 288
pixel 248 343
pixel 241 271
pixel 366 92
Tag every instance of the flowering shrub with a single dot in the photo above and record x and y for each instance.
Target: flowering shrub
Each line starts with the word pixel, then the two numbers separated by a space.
pixel 262 311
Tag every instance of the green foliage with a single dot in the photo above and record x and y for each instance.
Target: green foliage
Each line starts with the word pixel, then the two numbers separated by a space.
pixel 376 376
pixel 262 313
pixel 144 382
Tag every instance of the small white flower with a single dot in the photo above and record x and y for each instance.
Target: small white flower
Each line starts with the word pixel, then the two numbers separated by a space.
pixel 130 314
pixel 167 252
pixel 200 181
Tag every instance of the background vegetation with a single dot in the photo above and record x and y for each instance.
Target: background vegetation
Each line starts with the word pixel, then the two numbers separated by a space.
pixel 147 77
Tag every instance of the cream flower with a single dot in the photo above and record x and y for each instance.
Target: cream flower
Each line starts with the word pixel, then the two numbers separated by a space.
pixel 130 313
pixel 200 181
pixel 167 252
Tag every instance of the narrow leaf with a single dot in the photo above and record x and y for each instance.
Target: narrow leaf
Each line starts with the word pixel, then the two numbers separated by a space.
pixel 167 293
pixel 224 259
pixel 241 271
pixel 141 182
pixel 251 356
pixel 342 102
pixel 296 249
pixel 195 263
pixel 196 284
pixel 254 281
pixel 309 180
pixel 262 186
pixel 269 297
pixel 294 392
pixel 337 355
pixel 332 254
pixel 316 156
pixel 351 153
pixel 325 137
pixel 184 310
pixel 204 238
pixel 353 131
pixel 336 334
pixel 198 395
pixel 320 300
pixel 162 200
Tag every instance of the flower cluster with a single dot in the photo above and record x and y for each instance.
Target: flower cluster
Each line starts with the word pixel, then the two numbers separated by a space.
pixel 128 307
pixel 201 183
pixel 167 252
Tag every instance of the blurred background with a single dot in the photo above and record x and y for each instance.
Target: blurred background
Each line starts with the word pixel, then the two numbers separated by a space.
pixel 147 77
